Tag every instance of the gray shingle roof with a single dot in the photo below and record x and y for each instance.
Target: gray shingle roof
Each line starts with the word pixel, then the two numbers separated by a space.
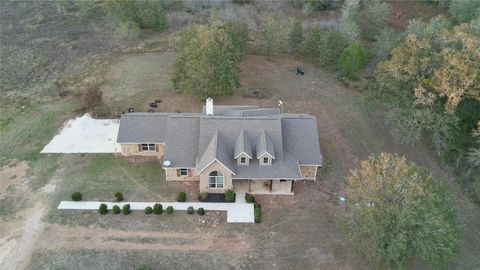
pixel 217 150
pixel 195 140
pixel 300 137
pixel 182 138
pixel 142 128
pixel 265 146
pixel 243 145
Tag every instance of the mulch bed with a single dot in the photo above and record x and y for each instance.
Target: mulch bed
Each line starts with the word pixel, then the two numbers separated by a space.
pixel 215 197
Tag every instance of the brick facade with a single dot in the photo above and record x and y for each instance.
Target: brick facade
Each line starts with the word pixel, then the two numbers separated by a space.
pixel 173 174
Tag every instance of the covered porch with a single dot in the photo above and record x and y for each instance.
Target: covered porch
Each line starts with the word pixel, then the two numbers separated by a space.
pixel 264 186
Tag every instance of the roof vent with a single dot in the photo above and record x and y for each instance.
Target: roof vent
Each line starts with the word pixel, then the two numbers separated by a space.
pixel 167 163
pixel 209 106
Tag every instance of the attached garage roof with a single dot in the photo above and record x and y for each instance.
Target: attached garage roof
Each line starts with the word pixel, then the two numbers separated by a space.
pixel 142 128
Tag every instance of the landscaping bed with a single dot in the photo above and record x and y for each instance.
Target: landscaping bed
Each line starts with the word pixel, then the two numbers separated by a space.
pixel 215 197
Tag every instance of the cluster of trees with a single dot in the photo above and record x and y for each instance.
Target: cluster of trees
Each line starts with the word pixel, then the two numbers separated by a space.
pixel 340 48
pixel 429 85
pixel 209 59
pixel 131 16
pixel 397 211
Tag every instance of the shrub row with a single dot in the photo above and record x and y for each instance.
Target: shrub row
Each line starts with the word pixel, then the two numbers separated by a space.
pixel 77 196
pixel 257 213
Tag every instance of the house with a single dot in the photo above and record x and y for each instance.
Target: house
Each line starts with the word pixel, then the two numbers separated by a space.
pixel 246 148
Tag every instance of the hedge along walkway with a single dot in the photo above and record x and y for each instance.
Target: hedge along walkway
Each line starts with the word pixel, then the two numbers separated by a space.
pixel 238 212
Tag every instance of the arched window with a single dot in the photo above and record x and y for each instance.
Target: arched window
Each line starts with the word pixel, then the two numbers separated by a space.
pixel 216 179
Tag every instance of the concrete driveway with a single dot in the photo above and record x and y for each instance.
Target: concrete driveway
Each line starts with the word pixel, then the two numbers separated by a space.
pixel 86 135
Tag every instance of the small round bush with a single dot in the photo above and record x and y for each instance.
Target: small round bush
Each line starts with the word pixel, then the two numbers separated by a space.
pixel 190 210
pixel 203 197
pixel 169 210
pixel 157 209
pixel 182 197
pixel 116 209
pixel 148 210
pixel 201 211
pixel 103 209
pixel 249 198
pixel 229 196
pixel 119 196
pixel 76 196
pixel 126 209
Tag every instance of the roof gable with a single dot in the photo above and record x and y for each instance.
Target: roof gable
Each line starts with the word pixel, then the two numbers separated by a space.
pixel 265 146
pixel 215 151
pixel 243 146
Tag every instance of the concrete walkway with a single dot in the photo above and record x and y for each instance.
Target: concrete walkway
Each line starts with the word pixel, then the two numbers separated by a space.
pixel 238 212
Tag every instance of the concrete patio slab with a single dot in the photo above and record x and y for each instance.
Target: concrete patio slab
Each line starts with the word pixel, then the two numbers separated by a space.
pixel 86 135
pixel 238 212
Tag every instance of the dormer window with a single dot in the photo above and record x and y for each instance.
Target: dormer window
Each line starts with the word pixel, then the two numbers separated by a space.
pixel 243 160
pixel 266 160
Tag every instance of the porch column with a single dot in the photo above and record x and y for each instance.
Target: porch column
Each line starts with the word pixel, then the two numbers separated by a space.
pixel 271 183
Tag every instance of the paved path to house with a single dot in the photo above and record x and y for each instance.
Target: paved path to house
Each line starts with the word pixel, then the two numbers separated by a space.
pixel 238 212
pixel 86 135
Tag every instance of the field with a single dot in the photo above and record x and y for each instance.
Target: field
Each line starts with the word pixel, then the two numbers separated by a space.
pixel 300 232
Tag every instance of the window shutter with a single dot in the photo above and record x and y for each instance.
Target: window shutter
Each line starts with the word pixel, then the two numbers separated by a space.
pixel 178 172
pixel 139 148
pixel 157 148
pixel 189 172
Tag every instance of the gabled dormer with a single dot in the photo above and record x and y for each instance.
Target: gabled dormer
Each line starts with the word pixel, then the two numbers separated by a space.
pixel 265 150
pixel 243 150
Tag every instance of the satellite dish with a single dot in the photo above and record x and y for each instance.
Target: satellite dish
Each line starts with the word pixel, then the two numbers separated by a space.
pixel 167 163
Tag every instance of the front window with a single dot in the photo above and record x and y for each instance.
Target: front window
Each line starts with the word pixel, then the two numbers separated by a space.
pixel 183 172
pixel 216 180
pixel 148 147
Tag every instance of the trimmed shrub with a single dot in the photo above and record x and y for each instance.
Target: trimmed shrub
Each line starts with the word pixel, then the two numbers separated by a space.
pixel 169 210
pixel 249 198
pixel 126 209
pixel 157 209
pixel 76 196
pixel 148 210
pixel 352 61
pixel 229 196
pixel 182 197
pixel 103 209
pixel 201 211
pixel 203 197
pixel 119 196
pixel 116 209
pixel 190 210
pixel 258 213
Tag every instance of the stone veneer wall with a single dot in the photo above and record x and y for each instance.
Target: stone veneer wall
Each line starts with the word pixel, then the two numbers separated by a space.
pixel 308 172
pixel 215 167
pixel 133 150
